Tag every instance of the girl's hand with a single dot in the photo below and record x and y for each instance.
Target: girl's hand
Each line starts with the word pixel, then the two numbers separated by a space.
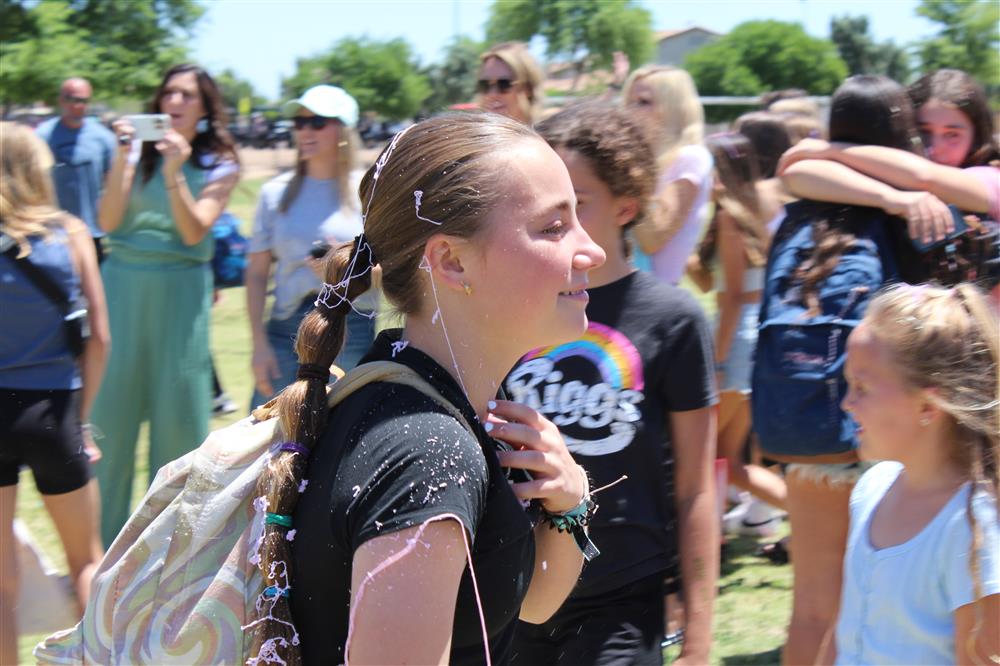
pixel 539 448
pixel 806 149
pixel 90 446
pixel 124 132
pixel 927 217
pixel 175 150
pixel 265 368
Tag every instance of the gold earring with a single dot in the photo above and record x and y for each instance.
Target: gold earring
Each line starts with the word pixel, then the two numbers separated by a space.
pixel 925 421
pixel 341 144
pixel 468 288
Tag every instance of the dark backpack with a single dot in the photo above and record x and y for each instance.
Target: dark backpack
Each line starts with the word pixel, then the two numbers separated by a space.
pixel 229 262
pixel 798 375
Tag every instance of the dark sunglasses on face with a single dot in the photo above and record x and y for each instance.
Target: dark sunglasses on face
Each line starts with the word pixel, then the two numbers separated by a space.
pixel 502 86
pixel 316 122
pixel 72 99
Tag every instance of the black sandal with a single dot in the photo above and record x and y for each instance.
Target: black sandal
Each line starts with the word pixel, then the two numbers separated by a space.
pixel 776 552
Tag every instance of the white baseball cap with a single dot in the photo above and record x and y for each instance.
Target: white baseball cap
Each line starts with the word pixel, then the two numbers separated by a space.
pixel 327 101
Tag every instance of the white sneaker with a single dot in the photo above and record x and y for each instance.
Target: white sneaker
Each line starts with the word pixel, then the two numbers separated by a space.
pixel 733 519
pixel 759 519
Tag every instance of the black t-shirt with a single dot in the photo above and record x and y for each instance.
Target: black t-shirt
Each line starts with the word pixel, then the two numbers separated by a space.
pixel 390 459
pixel 647 351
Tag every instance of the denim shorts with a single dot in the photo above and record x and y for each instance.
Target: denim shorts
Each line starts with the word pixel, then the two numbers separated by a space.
pixel 281 334
pixel 835 474
pixel 736 369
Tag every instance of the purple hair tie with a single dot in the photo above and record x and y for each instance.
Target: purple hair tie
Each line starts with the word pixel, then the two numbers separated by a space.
pixel 295 447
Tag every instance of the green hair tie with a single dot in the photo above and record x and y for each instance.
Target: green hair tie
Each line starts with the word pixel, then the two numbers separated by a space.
pixel 277 519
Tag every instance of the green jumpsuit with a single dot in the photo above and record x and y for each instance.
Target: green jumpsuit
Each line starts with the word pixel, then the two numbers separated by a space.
pixel 159 293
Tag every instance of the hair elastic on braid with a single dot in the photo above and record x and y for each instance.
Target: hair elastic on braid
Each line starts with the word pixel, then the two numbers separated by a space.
pixel 275 591
pixel 294 447
pixel 312 371
pixel 277 519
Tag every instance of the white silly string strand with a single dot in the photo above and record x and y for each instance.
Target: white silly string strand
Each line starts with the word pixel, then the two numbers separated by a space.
pixel 417 196
pixel 329 291
pixel 411 545
pixel 338 292
pixel 425 264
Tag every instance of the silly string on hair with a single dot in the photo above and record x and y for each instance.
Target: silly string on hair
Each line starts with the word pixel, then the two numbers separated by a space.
pixel 425 265
pixel 418 195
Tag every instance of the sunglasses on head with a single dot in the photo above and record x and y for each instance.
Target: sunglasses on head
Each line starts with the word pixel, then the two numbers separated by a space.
pixel 316 122
pixel 502 86
pixel 73 99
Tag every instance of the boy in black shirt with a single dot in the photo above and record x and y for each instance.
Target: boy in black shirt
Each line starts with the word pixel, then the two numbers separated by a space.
pixel 633 397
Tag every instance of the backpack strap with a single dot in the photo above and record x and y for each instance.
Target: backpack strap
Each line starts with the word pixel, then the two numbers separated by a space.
pixel 369 373
pixel 396 373
pixel 38 277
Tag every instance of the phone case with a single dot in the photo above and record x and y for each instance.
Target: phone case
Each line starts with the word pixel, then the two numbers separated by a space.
pixel 960 228
pixel 150 127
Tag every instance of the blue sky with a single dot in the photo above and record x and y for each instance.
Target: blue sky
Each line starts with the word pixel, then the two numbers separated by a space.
pixel 261 39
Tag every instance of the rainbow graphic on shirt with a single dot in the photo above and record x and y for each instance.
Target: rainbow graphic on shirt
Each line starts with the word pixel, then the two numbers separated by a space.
pixel 609 350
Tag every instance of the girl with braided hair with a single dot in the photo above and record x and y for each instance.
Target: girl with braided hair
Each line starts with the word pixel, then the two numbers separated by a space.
pixel 922 570
pixel 377 505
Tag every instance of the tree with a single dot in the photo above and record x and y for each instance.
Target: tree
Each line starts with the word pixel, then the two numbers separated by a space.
pixel 122 47
pixel 453 80
pixel 233 89
pixel 862 54
pixel 37 60
pixel 585 32
pixel 758 56
pixel 968 40
pixel 382 76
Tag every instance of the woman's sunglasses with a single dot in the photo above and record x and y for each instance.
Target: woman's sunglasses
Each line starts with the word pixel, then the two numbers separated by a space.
pixel 502 86
pixel 316 122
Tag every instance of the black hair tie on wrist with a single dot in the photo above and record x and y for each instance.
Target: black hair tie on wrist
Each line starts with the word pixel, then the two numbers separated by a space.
pixel 312 371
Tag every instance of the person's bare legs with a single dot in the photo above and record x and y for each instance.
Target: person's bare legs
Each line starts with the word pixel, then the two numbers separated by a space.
pixel 818 516
pixel 734 426
pixel 76 515
pixel 8 576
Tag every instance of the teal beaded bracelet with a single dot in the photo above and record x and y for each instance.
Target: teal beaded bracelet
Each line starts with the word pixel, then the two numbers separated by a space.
pixel 575 522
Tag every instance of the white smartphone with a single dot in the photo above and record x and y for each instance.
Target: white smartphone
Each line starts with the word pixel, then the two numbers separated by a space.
pixel 149 126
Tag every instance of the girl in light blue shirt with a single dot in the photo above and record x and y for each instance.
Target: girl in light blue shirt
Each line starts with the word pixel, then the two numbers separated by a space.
pixel 921 579
pixel 317 201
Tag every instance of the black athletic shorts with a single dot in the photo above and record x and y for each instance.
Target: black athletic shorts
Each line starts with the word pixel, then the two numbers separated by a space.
pixel 41 430
pixel 624 628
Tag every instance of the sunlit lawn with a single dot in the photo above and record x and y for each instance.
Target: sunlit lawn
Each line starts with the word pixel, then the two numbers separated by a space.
pixel 754 599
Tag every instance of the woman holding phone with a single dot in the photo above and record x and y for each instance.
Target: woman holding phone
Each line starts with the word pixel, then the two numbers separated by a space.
pixel 160 201
pixel 315 203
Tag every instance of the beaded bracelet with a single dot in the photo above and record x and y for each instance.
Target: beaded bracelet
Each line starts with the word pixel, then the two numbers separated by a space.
pixel 575 522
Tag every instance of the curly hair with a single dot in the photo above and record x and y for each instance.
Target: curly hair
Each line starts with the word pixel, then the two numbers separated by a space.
pixel 613 144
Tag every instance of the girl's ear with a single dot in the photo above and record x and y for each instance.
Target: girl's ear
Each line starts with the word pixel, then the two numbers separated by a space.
pixel 626 208
pixel 443 257
pixel 929 410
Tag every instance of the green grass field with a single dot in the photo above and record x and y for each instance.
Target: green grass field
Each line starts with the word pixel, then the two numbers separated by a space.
pixel 754 596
